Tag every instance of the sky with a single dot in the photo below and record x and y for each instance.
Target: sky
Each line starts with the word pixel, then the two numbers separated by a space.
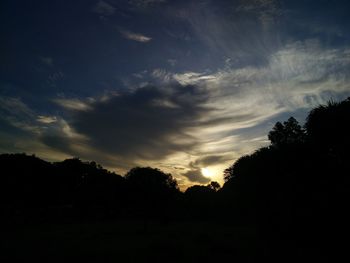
pixel 184 86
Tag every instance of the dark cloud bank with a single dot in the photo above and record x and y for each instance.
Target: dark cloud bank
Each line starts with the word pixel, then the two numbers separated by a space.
pixel 149 123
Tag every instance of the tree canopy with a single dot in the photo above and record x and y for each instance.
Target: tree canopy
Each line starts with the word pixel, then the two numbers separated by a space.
pixel 288 133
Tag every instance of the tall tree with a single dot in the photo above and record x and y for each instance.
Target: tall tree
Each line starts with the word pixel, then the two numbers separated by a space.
pixel 288 133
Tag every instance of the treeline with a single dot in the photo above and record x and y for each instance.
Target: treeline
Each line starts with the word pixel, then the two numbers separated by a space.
pixel 34 190
pixel 295 192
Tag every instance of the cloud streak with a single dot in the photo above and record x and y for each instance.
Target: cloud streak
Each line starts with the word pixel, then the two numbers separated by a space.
pixel 135 36
pixel 298 76
pixel 73 104
pixel 246 32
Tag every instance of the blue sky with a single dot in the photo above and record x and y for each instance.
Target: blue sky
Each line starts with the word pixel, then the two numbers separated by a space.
pixel 178 85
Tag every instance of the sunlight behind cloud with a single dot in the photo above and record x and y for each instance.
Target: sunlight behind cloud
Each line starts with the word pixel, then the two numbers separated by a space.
pixel 207 172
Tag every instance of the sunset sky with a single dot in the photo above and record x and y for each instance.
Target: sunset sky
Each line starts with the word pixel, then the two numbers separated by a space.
pixel 184 86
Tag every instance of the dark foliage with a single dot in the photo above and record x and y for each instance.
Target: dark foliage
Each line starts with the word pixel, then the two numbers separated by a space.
pixel 151 192
pixel 200 201
pixel 288 133
pixel 296 191
pixel 328 129
pixel 33 188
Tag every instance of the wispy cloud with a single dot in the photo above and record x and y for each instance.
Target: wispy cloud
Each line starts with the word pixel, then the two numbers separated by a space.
pixel 135 36
pixel 73 104
pixel 16 113
pixel 46 119
pixel 22 129
pixel 267 11
pixel 299 76
pixel 247 31
pixel 103 8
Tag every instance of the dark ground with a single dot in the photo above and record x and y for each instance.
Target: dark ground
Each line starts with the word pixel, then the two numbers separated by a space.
pixel 129 241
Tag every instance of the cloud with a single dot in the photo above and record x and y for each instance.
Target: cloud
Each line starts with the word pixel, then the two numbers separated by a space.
pixel 21 129
pixel 211 160
pixel 73 104
pixel 17 114
pixel 267 11
pixel 15 107
pixel 195 175
pixel 36 128
pixel 135 36
pixel 302 74
pixel 46 119
pixel 245 31
pixel 103 8
pixel 148 124
pixel 62 137
pixel 193 78
pixel 194 171
pixel 247 100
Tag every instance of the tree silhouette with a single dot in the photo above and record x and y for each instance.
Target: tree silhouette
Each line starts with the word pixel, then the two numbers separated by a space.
pixel 288 133
pixel 89 187
pixel 26 182
pixel 151 192
pixel 214 185
pixel 151 179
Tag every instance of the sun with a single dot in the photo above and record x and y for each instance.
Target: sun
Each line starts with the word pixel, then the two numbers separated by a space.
pixel 206 172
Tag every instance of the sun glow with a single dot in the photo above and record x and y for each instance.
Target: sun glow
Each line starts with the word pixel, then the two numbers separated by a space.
pixel 206 172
